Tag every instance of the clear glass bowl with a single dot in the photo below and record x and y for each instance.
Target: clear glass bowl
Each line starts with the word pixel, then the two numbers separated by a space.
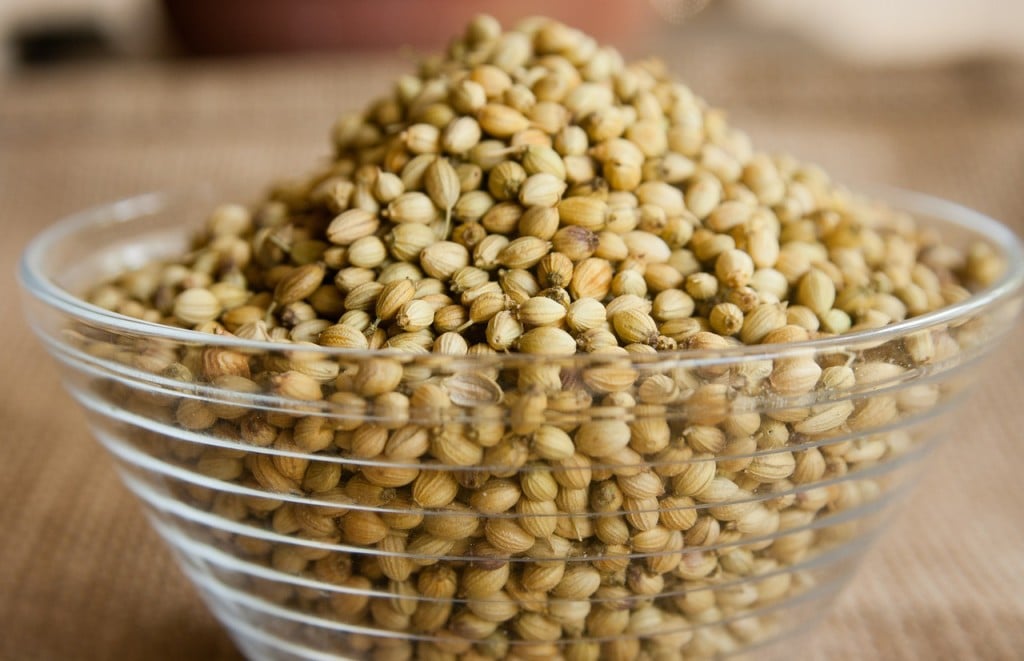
pixel 396 505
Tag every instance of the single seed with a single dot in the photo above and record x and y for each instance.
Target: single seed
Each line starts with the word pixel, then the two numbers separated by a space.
pixel 541 311
pixel 351 225
pixel 734 268
pixel 413 206
pixel 576 243
pixel 592 278
pixel 524 252
pixel 586 212
pixel 548 341
pixel 585 314
pixel 543 160
pixel 368 252
pixel 461 135
pixel 442 184
pixel 816 291
pixel 505 180
pixel 542 190
pixel 726 319
pixel 299 283
pixel 501 121
pixel 196 306
pixel 442 259
pixel 635 325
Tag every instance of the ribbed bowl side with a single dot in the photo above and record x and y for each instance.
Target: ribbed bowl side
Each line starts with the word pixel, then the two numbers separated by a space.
pixel 265 562
pixel 389 505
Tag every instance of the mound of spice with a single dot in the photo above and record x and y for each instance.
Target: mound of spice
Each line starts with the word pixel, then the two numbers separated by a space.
pixel 531 192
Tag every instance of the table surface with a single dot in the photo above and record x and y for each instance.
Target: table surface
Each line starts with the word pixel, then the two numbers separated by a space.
pixel 84 577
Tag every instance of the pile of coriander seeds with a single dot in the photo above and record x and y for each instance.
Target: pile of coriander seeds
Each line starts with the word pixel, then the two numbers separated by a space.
pixel 530 193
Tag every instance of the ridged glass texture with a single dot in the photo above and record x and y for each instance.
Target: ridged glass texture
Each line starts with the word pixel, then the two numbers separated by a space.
pixel 332 524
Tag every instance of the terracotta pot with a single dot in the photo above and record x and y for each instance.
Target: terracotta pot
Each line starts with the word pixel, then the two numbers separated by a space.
pixel 245 26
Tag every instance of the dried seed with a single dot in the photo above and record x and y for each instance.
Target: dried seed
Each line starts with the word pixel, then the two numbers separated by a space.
pixel 541 311
pixel 505 179
pixel 702 195
pixel 672 304
pixel 503 330
pixel 351 225
pixel 523 252
pixel 552 443
pixel 761 321
pixel 576 243
pixel 635 325
pixel 547 340
pixel 592 278
pixel 582 211
pixel 508 536
pixel 414 316
pixel 542 190
pixel 472 206
pixel 442 183
pixel 406 241
pixel 472 390
pixel 816 291
pixel 602 438
pixel 368 252
pixel 412 207
pixel 726 319
pixel 461 135
pixel 794 376
pixel 501 121
pixel 342 335
pixel 468 96
pixel 197 305
pixel 584 314
pixel 442 259
pixel 734 268
pixel 393 297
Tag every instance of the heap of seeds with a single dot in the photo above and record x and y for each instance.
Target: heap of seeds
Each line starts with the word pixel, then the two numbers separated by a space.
pixel 532 192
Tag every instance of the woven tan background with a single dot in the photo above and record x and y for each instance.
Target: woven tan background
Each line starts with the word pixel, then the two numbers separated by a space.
pixel 83 577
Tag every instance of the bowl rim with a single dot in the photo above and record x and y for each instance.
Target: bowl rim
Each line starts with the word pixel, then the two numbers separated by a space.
pixel 34 282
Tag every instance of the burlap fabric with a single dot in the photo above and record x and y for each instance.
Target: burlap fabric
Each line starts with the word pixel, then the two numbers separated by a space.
pixel 82 575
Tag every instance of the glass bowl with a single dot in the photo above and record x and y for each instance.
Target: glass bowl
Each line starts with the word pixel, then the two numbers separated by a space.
pixel 403 504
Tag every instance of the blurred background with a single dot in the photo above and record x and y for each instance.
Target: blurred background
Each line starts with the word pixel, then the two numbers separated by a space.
pixel 870 30
pixel 101 99
pixel 883 87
